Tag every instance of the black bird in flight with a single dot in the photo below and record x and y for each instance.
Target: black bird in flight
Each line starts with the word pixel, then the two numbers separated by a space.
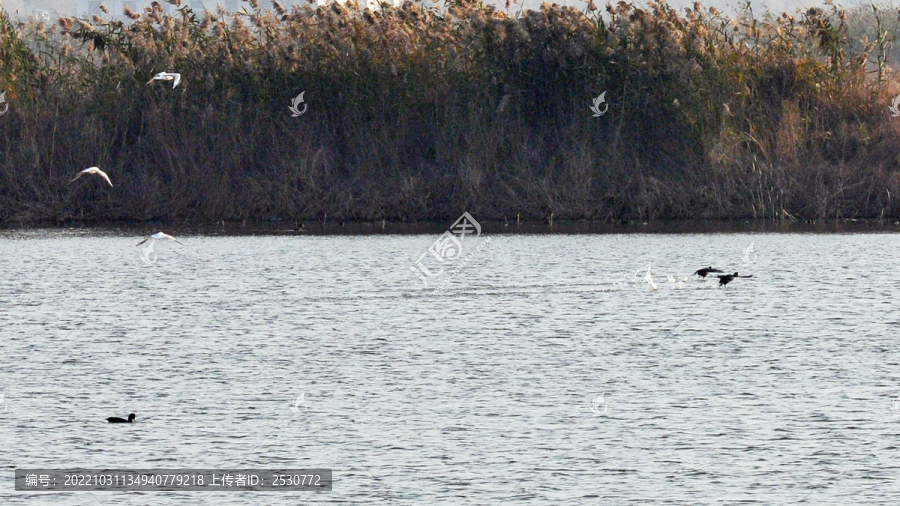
pixel 703 272
pixel 728 278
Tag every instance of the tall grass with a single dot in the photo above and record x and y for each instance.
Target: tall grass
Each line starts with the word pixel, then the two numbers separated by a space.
pixel 417 114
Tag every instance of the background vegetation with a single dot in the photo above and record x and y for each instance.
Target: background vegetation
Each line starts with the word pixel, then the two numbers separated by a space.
pixel 417 114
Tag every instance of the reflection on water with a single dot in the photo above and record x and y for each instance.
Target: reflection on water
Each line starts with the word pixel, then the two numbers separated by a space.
pixel 547 371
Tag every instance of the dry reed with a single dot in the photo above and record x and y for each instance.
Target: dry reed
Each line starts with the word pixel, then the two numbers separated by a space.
pixel 418 114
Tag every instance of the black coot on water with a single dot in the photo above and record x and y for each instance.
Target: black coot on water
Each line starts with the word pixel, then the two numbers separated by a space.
pixel 116 419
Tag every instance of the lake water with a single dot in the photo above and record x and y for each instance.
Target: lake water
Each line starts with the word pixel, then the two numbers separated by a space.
pixel 777 389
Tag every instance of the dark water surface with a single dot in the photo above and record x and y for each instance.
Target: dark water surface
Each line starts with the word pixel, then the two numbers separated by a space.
pixel 775 390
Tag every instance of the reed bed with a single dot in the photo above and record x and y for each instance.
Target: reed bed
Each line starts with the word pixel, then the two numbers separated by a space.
pixel 418 114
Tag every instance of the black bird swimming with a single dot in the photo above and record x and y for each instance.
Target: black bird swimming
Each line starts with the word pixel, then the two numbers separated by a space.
pixel 728 278
pixel 116 419
pixel 703 272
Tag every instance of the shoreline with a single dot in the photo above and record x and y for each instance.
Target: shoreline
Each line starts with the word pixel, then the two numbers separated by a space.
pixel 489 227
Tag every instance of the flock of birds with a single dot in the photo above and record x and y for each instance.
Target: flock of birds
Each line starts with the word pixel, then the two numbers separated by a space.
pixel 162 76
pixel 175 78
pixel 95 171
pixel 723 280
pixel 155 237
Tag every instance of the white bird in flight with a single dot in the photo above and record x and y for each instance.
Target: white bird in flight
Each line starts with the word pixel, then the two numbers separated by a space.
pixel 158 237
pixel 167 76
pixel 93 170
